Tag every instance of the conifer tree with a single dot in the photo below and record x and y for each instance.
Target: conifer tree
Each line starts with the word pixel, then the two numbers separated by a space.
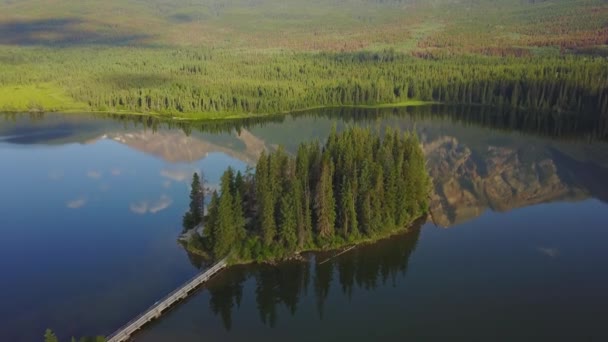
pixel 265 199
pixel 197 197
pixel 325 205
pixel 348 211
pixel 239 218
pixel 288 221
pixel 210 230
pixel 239 183
pixel 225 233
pixel 303 193
pixel 49 336
pixel 194 216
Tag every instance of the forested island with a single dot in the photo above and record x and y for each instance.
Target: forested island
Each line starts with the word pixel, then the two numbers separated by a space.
pixel 358 186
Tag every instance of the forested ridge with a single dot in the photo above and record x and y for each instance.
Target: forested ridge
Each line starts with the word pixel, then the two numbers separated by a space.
pixel 356 187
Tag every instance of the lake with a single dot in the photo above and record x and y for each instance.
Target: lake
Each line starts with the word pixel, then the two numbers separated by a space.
pixel 514 250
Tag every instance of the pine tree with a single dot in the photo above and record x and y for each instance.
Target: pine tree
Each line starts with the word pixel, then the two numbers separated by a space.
pixel 325 206
pixel 239 218
pixel 248 192
pixel 49 336
pixel 197 197
pixel 239 183
pixel 303 194
pixel 288 222
pixel 225 234
pixel 188 221
pixel 377 202
pixel 210 231
pixel 348 211
pixel 364 211
pixel 265 199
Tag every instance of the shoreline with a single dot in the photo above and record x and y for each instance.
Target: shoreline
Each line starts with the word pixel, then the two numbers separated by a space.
pixel 218 116
pixel 199 117
pixel 298 256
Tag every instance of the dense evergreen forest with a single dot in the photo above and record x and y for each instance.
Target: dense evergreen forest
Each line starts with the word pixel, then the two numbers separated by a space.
pixel 357 187
pixel 220 84
pixel 208 59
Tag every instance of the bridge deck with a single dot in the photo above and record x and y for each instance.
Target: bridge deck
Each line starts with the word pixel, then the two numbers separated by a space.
pixel 157 309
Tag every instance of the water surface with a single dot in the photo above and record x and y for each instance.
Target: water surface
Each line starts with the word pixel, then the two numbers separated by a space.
pixel 92 205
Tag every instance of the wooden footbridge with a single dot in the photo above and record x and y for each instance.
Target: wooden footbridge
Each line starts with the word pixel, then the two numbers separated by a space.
pixel 156 310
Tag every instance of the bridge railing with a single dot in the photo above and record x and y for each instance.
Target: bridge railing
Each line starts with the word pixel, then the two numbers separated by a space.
pixel 196 280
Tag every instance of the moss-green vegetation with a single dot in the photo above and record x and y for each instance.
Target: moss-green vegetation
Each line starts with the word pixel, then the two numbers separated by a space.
pixel 218 60
pixel 49 336
pixel 356 188
pixel 208 84
pixel 36 97
pixel 485 26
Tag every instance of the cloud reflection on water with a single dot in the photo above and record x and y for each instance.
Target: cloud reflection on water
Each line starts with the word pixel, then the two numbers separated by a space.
pixel 152 207
pixel 179 175
pixel 77 203
pixel 94 174
pixel 550 252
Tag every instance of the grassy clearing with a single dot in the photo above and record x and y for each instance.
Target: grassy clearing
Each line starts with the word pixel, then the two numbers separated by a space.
pixel 36 97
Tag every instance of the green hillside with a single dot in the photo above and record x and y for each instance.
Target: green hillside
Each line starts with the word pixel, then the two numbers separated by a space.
pixel 214 59
pixel 307 25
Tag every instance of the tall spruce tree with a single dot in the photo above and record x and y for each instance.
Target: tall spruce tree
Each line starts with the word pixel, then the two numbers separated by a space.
pixel 325 205
pixel 239 218
pixel 210 230
pixel 197 198
pixel 226 229
pixel 348 211
pixel 288 221
pixel 264 195
pixel 194 216
pixel 303 193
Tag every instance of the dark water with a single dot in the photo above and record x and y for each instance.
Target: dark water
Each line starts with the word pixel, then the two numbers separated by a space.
pixel 91 209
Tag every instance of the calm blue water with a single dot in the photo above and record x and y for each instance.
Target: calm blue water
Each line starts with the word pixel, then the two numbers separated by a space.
pixel 89 234
pixel 91 210
pixel 500 277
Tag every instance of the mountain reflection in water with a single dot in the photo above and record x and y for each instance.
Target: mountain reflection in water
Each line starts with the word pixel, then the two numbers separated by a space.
pixel 483 162
pixel 480 158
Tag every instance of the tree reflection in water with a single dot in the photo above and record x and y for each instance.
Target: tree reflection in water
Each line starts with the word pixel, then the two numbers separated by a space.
pixel 365 267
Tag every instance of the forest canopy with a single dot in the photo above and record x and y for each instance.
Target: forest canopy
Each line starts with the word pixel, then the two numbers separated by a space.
pixel 357 187
pixel 212 59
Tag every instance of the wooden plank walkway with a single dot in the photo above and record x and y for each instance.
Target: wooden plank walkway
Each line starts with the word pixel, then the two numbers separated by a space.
pixel 156 310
